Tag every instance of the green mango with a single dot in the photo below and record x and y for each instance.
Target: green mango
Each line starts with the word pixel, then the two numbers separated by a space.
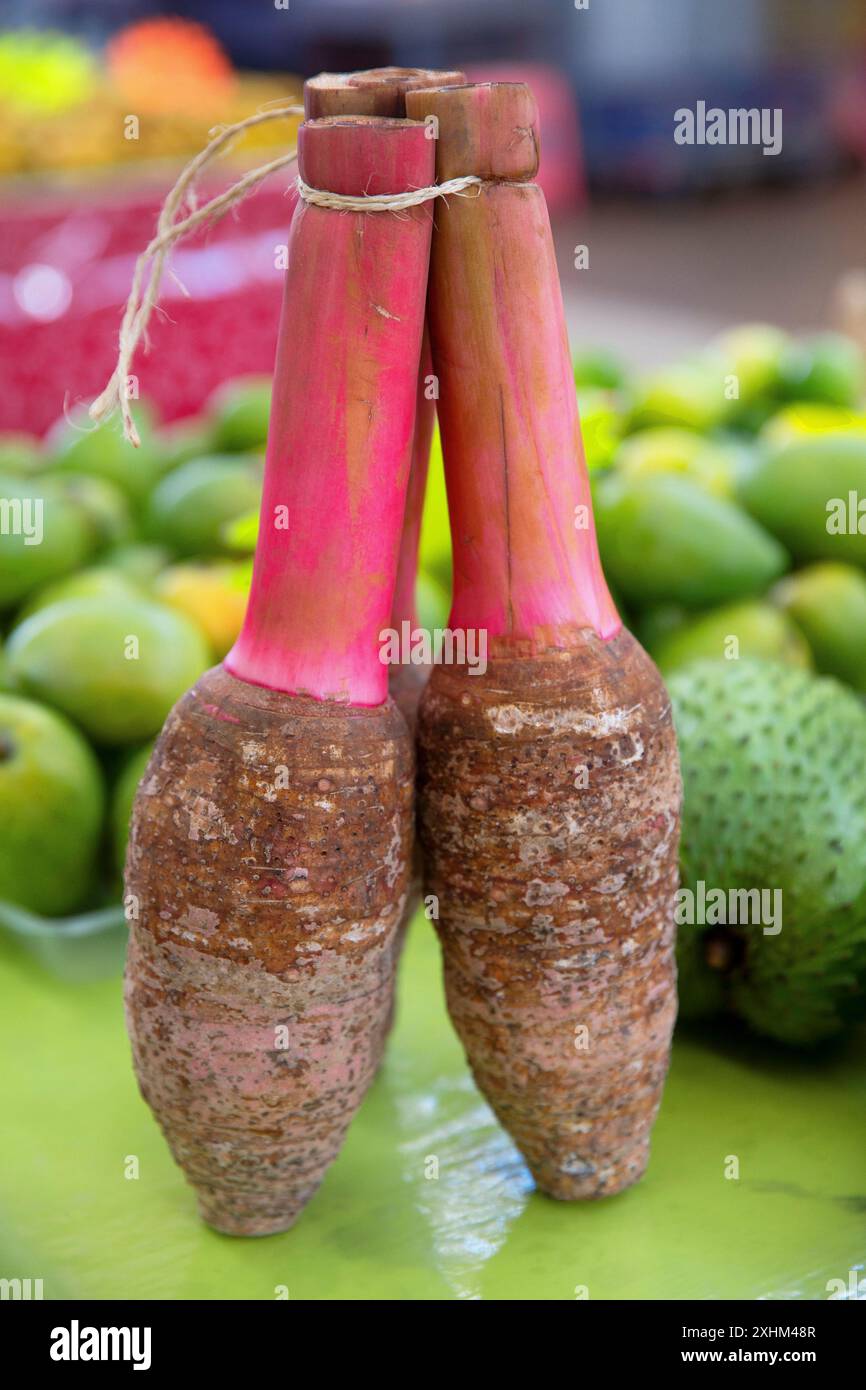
pixel 122 797
pixel 802 419
pixel 754 355
pixel 689 394
pixel 667 449
pixel 52 802
pixel 138 561
pixel 239 412
pixel 829 368
pixel 656 624
pixel 98 581
pixel 664 539
pixel 182 440
pixel 44 534
pixel 811 493
pixel 115 666
pixel 103 503
pixel 190 507
pixel 78 446
pixel 828 604
pixel 751 629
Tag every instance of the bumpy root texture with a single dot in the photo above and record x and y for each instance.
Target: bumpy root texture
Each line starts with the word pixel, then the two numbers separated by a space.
pixel 549 787
pixel 269 859
pixel 549 797
pixel 269 864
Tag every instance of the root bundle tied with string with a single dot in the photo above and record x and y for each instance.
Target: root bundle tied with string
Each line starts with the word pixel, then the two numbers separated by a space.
pixel 270 851
pixel 269 863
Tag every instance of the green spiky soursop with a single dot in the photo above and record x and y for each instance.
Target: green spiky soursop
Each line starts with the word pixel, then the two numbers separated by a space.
pixel 774 775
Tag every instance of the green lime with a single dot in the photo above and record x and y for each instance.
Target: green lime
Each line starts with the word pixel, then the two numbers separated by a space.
pixel 131 773
pixel 43 534
pixel 239 411
pixel 52 800
pixel 114 665
pixel 189 509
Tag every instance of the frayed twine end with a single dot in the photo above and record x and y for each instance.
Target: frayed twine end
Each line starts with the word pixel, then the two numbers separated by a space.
pixel 150 265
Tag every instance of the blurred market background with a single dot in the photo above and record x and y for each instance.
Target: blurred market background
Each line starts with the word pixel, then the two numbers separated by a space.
pixel 716 304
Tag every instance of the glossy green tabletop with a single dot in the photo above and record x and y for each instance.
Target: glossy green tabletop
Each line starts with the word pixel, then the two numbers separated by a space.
pixel 383 1226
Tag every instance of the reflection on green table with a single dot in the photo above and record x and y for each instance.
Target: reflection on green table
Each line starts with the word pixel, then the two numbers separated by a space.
pixel 382 1226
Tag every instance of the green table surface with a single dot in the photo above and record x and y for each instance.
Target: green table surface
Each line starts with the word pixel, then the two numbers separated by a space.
pixel 380 1227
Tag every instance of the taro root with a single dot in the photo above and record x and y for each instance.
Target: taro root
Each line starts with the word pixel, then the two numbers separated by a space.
pixel 269 859
pixel 549 789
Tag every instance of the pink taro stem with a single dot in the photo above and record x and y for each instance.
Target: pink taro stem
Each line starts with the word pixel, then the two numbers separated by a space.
pixel 342 419
pixel 526 563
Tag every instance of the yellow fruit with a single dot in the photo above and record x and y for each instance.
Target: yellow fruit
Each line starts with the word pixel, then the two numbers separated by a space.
pixel 213 596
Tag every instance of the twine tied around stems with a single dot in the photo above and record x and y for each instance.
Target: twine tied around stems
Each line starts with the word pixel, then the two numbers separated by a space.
pixel 385 202
pixel 170 228
pixel 149 267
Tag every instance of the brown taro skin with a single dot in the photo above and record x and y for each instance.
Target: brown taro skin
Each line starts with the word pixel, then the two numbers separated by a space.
pixel 268 866
pixel 549 798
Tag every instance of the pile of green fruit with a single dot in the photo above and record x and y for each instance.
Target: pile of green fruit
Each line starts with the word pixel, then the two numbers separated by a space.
pixel 726 474
pixel 730 500
pixel 119 585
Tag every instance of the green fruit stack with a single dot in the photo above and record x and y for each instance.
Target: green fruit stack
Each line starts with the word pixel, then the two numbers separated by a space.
pixel 120 583
pixel 730 499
